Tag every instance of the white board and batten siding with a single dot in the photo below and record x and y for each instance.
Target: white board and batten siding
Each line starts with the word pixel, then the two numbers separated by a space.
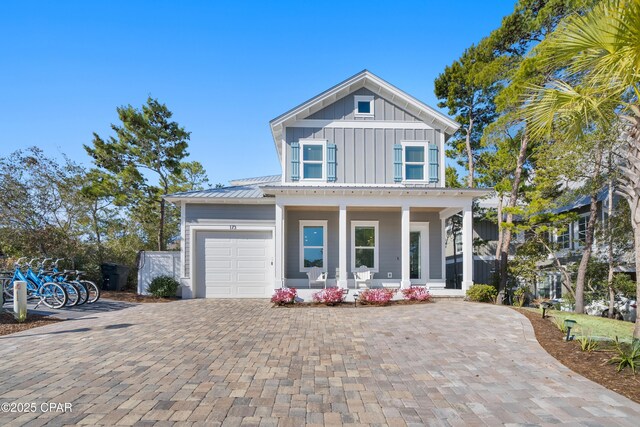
pixel 154 264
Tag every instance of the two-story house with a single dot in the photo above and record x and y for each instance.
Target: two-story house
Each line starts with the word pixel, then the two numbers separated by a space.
pixel 362 185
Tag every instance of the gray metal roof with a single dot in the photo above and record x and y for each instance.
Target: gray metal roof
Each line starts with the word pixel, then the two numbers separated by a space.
pixel 256 180
pixel 233 192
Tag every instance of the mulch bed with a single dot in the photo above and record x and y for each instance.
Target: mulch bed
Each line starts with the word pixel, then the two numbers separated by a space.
pixel 130 296
pixel 593 366
pixel 351 304
pixel 8 324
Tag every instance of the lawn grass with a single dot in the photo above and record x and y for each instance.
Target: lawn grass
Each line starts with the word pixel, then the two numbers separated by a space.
pixel 595 326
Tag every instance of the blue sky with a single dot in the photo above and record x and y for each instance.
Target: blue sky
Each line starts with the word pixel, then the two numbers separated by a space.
pixel 224 68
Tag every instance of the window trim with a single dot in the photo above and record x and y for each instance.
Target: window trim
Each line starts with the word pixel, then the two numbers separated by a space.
pixel 323 143
pixel 577 243
pixel 569 233
pixel 376 248
pixel 425 162
pixel 303 223
pixel 363 98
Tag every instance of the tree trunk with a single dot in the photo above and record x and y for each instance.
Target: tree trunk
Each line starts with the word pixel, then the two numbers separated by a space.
pixel 566 283
pixel 513 200
pixel 586 253
pixel 470 179
pixel 496 263
pixel 96 230
pixel 630 187
pixel 610 260
pixel 636 236
pixel 161 246
pixel 588 238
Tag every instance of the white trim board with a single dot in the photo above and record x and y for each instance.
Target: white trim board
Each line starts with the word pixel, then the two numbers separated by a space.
pixel 358 124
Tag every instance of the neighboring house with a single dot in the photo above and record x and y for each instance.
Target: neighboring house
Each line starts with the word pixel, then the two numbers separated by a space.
pixel 362 184
pixel 569 243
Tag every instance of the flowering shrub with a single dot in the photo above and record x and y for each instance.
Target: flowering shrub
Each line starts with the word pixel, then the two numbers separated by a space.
pixel 417 294
pixel 376 296
pixel 329 296
pixel 284 296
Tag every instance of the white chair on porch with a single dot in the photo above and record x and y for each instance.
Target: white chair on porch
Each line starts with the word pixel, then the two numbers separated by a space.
pixel 317 277
pixel 362 277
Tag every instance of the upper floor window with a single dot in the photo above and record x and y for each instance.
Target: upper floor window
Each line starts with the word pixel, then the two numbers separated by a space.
pixel 363 105
pixel 563 239
pixel 581 227
pixel 414 162
pixel 313 160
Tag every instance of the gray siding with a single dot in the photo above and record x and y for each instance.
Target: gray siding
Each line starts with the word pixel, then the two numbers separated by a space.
pixel 389 227
pixel 208 214
pixel 343 109
pixel 363 156
pixel 292 241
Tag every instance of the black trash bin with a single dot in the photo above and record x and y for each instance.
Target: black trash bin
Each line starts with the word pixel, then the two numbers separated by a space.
pixel 114 276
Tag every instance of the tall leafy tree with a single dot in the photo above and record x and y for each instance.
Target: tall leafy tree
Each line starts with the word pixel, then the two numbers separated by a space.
pixel 467 88
pixel 598 53
pixel 41 208
pixel 503 153
pixel 147 143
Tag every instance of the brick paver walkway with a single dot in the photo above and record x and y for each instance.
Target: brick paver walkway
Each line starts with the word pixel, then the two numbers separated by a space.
pixel 244 363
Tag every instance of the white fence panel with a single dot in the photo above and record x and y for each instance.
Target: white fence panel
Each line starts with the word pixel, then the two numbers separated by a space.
pixel 154 264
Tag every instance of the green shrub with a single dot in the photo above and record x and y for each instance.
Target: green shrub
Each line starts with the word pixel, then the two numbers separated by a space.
pixel 587 343
pixel 520 295
pixel 628 355
pixel 482 293
pixel 163 287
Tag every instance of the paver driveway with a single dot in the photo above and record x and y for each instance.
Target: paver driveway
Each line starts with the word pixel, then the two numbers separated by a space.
pixel 243 362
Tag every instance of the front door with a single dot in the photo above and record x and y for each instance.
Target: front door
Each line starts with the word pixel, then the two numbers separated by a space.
pixel 419 253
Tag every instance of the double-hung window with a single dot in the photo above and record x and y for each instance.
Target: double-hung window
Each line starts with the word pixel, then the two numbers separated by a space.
pixel 364 244
pixel 313 160
pixel 563 238
pixel 313 245
pixel 414 162
pixel 581 227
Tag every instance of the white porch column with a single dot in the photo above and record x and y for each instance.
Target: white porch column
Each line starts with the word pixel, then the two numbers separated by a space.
pixel 342 247
pixel 443 248
pixel 404 255
pixel 279 237
pixel 467 247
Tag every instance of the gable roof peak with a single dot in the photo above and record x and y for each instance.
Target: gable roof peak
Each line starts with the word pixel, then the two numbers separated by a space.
pixel 364 78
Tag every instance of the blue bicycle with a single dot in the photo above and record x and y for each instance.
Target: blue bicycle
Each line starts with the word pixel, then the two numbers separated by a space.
pixel 50 293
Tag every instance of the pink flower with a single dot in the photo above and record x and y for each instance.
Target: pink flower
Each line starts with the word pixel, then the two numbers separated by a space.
pixel 417 294
pixel 376 296
pixel 284 296
pixel 329 296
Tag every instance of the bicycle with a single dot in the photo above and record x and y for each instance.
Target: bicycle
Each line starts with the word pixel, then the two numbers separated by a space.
pixel 51 294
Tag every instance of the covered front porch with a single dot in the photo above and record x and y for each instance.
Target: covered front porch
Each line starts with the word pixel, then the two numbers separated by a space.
pixel 399 238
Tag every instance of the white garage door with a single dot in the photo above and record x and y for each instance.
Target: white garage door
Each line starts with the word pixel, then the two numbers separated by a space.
pixel 234 264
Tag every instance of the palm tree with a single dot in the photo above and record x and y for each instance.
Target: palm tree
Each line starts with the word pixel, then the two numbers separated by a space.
pixel 597 56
